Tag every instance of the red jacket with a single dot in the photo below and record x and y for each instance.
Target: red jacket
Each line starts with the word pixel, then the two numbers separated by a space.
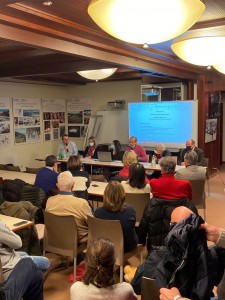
pixel 168 187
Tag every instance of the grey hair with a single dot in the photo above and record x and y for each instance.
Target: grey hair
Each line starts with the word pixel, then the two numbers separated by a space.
pixel 65 180
pixel 160 147
pixel 168 164
pixel 191 157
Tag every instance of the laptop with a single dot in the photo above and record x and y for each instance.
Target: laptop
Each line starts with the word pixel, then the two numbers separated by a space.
pixel 104 156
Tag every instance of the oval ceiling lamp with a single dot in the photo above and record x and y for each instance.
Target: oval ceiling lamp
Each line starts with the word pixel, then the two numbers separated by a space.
pixel 97 74
pixel 220 67
pixel 201 51
pixel 145 21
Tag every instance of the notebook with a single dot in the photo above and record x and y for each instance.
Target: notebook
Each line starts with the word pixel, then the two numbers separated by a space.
pixel 104 156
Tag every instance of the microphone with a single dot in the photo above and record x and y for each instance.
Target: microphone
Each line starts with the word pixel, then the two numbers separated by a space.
pixel 218 174
pixel 67 148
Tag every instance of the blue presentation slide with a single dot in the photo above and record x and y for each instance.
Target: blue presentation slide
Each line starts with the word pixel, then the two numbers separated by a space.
pixel 167 122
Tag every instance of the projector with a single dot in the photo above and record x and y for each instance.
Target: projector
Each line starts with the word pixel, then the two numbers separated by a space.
pixel 117 104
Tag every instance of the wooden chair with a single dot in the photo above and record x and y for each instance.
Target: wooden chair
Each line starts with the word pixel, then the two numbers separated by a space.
pixel 149 289
pixel 12 168
pixel 112 230
pixel 60 237
pixel 138 201
pixel 198 194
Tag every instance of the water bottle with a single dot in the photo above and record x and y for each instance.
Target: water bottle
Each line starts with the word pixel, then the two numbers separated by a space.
pixel 153 161
pixel 61 156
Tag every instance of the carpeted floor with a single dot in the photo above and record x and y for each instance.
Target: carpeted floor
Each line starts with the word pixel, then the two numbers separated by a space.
pixel 56 286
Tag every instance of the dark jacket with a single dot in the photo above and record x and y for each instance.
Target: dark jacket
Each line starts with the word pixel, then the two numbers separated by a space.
pixel 185 262
pixel 200 153
pixel 155 223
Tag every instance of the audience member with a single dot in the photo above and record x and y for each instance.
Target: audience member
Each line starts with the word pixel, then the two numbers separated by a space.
pixel 9 257
pixel 190 146
pixel 129 158
pixel 65 204
pixel 114 208
pixel 215 235
pixel 138 149
pixel 167 186
pixel 82 179
pixel 25 281
pixel 136 182
pixel 116 148
pixel 66 148
pixel 98 282
pixel 90 149
pixel 46 178
pixel 159 152
pixel 191 171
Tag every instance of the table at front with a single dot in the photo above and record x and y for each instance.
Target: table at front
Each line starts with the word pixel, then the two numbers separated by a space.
pixel 27 177
pixel 96 191
pixel 15 223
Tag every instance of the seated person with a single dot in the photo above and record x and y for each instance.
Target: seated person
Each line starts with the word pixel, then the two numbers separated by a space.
pixel 65 204
pixel 82 179
pixel 190 146
pixel 129 158
pixel 98 281
pixel 159 152
pixel 90 149
pixel 138 149
pixel 167 186
pixel 136 182
pixel 114 208
pixel 25 281
pixel 116 148
pixel 46 178
pixel 9 257
pixel 191 171
pixel 65 149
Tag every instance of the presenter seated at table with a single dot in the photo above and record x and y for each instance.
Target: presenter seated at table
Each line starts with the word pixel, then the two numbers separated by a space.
pixel 81 178
pixel 167 186
pixel 116 149
pixel 129 157
pixel 191 171
pixel 46 178
pixel 90 149
pixel 159 152
pixel 114 208
pixel 65 150
pixel 190 146
pixel 137 181
pixel 138 149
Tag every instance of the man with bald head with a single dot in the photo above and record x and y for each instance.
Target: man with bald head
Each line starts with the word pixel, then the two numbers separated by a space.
pixel 190 146
pixel 191 171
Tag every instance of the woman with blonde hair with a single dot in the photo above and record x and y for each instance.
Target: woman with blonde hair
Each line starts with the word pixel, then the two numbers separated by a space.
pixel 98 282
pixel 114 208
pixel 129 157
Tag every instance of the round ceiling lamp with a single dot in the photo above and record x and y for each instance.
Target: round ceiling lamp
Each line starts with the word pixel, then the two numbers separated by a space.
pixel 97 74
pixel 220 67
pixel 145 21
pixel 201 51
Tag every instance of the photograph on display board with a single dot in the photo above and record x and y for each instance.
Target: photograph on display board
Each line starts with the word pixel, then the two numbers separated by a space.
pixel 210 130
pixel 5 113
pixel 74 131
pixel 75 117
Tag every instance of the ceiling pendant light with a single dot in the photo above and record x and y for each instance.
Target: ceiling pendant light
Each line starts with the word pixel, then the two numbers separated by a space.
pixel 201 51
pixel 145 21
pixel 97 74
pixel 220 67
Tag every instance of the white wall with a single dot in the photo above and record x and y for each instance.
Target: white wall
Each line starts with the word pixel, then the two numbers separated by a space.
pixel 101 93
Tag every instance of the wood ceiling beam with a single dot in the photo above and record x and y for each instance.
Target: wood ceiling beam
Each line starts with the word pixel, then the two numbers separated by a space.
pixel 68 47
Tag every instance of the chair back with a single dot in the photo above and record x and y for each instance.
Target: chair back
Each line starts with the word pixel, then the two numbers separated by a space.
pixel 109 229
pixel 60 235
pixel 138 201
pixel 149 289
pixel 198 194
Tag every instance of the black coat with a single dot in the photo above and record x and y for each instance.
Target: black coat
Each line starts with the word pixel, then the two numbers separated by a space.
pixel 155 222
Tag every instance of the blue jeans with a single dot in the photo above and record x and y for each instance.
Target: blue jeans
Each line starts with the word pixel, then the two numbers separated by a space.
pixel 41 262
pixel 25 281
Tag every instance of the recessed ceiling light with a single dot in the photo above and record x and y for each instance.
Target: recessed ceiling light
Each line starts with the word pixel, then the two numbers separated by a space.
pixel 47 3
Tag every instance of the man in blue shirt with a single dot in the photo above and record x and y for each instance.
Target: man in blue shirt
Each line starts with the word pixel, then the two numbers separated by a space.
pixel 65 150
pixel 46 178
